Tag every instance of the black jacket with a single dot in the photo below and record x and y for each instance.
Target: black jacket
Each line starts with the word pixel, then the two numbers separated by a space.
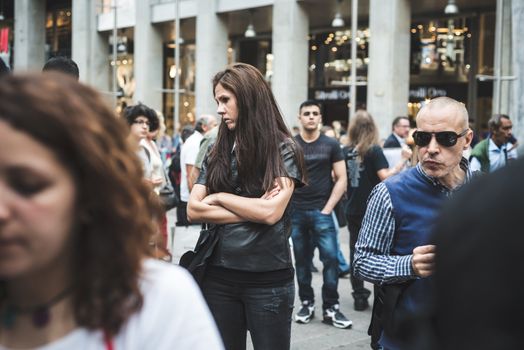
pixel 250 246
pixel 391 142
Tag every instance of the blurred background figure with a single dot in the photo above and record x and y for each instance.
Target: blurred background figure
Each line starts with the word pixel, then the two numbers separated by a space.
pixel 495 151
pixel 63 65
pixel 4 69
pixel 75 221
pixel 367 166
pixel 400 131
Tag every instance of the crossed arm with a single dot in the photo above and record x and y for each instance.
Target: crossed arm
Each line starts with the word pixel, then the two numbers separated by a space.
pixel 228 208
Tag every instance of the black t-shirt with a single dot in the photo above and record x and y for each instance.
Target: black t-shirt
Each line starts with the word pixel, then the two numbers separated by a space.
pixel 374 160
pixel 319 156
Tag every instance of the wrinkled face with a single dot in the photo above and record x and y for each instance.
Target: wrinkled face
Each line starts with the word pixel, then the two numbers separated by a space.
pixel 227 106
pixel 140 127
pixel 503 133
pixel 439 161
pixel 310 118
pixel 37 201
pixel 402 128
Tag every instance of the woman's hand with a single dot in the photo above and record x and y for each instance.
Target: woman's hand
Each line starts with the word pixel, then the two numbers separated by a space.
pixel 272 192
pixel 211 199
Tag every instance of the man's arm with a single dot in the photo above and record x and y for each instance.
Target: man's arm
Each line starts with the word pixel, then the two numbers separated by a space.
pixel 339 171
pixel 373 261
pixel 190 181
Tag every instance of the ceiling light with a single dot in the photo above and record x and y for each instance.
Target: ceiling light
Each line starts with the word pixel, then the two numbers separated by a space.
pixel 250 30
pixel 451 8
pixel 338 21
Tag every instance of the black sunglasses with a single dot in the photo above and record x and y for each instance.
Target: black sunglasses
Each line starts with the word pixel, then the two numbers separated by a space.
pixel 444 138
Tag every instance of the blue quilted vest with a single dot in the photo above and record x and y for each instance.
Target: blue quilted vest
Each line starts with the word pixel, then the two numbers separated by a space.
pixel 416 203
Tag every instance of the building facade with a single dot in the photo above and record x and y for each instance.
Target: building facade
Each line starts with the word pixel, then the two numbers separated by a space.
pixel 407 52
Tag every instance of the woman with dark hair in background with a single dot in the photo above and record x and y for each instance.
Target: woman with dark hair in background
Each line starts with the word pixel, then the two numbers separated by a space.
pixel 244 187
pixel 75 221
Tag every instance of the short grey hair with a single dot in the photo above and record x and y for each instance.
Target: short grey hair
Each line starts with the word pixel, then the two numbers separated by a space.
pixel 495 121
pixel 445 102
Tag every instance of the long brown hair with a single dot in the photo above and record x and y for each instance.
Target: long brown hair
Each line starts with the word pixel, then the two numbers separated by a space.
pixel 114 209
pixel 363 133
pixel 259 130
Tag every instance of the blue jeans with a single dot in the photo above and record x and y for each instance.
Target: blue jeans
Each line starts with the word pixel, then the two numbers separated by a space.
pixel 265 312
pixel 311 228
pixel 343 266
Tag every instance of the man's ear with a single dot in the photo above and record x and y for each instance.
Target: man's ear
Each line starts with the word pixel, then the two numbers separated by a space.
pixel 468 137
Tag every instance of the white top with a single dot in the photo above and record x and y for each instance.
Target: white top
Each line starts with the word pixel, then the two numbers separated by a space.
pixel 188 156
pixel 174 316
pixel 156 164
pixel 497 158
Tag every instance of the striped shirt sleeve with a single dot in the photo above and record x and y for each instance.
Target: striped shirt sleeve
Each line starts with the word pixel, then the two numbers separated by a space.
pixel 373 261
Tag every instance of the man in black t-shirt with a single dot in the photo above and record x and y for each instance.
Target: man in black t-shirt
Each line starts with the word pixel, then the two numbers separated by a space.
pixel 312 220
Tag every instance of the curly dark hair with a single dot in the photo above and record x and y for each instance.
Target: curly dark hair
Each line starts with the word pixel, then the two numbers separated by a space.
pixel 130 113
pixel 115 209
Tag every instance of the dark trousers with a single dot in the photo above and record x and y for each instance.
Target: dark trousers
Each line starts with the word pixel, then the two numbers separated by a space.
pixel 354 224
pixel 311 228
pixel 265 312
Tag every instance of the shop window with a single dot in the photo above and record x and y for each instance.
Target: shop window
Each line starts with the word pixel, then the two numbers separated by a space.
pixel 330 58
pixel 187 84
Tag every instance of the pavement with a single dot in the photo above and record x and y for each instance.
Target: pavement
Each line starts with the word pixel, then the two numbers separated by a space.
pixel 314 335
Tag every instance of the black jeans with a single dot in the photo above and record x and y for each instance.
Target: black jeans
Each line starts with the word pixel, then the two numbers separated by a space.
pixel 265 312
pixel 354 224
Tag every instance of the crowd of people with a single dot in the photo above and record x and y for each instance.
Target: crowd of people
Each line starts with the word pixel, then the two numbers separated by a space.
pixel 82 221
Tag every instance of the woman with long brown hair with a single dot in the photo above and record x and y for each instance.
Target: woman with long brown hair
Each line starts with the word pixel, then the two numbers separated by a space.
pixel 366 166
pixel 244 188
pixel 75 221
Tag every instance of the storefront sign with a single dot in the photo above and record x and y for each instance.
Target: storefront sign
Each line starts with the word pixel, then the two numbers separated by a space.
pixel 332 95
pixel 423 92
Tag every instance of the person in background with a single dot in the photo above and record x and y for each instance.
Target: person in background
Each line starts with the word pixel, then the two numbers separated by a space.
pixel 338 217
pixel 207 142
pixel 4 69
pixel 400 131
pixel 63 65
pixel 188 157
pixel 312 221
pixel 244 187
pixel 142 120
pixel 495 151
pixel 75 221
pixel 366 166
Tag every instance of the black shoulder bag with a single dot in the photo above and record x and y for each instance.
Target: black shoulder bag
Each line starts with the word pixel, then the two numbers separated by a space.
pixel 196 260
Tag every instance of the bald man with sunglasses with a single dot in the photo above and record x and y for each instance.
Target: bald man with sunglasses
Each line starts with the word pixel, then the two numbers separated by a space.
pixel 393 249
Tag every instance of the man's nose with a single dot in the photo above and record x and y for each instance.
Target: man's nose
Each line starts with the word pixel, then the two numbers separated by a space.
pixel 433 146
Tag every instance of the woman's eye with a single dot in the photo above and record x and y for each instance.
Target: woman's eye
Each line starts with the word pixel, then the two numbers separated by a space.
pixel 27 188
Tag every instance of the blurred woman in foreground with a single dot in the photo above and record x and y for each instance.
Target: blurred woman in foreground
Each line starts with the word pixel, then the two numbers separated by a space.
pixel 75 220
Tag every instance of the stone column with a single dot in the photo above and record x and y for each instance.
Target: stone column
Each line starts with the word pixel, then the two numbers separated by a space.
pixel 211 53
pixel 29 35
pixel 90 48
pixel 388 71
pixel 517 102
pixel 503 51
pixel 148 62
pixel 290 57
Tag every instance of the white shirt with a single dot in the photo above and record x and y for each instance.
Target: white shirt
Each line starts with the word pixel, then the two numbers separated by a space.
pixel 188 156
pixel 174 316
pixel 155 161
pixel 497 158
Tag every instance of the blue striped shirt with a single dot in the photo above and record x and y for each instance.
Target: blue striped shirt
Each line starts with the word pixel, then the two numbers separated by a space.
pixel 373 261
